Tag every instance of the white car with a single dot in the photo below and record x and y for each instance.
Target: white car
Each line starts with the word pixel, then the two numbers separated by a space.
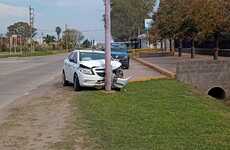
pixel 86 68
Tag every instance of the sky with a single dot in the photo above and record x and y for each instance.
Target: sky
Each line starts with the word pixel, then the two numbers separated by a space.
pixel 84 15
pixel 157 5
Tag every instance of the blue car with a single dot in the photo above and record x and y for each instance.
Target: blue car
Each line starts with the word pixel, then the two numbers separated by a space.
pixel 120 52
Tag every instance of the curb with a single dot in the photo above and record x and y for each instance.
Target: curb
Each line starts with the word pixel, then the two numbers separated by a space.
pixel 159 69
pixel 148 79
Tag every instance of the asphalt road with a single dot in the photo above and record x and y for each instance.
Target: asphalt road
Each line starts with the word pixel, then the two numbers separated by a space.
pixel 18 76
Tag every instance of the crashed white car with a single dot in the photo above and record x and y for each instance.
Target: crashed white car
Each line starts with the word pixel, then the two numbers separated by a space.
pixel 86 68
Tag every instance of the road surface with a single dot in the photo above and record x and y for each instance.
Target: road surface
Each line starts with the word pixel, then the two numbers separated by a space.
pixel 18 76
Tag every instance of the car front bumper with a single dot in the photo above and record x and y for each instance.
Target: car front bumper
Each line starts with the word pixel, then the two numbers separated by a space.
pixel 97 81
pixel 91 80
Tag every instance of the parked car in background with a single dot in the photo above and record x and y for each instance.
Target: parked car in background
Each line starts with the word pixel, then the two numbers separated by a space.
pixel 86 68
pixel 120 52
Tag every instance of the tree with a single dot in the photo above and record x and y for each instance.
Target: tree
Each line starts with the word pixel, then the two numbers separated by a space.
pixel 49 39
pixel 196 19
pixel 212 18
pixel 86 44
pixel 169 19
pixel 22 29
pixel 128 16
pixel 58 31
pixel 72 38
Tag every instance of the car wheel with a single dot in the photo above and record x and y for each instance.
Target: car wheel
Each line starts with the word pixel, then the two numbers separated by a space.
pixel 126 67
pixel 76 84
pixel 64 81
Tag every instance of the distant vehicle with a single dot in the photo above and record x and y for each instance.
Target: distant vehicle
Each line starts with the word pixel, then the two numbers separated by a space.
pixel 86 68
pixel 120 52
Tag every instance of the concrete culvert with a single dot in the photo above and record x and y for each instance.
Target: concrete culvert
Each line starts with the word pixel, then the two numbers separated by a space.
pixel 217 93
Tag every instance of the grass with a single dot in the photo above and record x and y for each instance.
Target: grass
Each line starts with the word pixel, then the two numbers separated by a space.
pixel 154 115
pixel 35 53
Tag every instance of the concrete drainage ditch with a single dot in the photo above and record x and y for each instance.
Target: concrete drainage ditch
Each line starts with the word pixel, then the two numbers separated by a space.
pixel 211 77
pixel 217 93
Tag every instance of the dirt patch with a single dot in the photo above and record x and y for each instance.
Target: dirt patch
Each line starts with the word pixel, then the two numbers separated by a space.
pixel 41 120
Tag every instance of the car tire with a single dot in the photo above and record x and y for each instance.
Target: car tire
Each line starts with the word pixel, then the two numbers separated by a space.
pixel 128 65
pixel 64 81
pixel 76 83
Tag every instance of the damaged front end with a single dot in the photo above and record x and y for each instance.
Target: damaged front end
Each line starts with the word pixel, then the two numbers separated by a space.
pixel 119 81
pixel 97 78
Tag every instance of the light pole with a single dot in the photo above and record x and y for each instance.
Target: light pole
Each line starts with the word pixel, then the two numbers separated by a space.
pixel 108 68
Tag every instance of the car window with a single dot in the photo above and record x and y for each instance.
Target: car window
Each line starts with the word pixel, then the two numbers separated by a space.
pixel 75 58
pixel 119 46
pixel 86 56
pixel 71 57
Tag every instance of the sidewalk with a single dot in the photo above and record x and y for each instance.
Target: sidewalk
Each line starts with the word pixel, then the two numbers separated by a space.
pixel 170 62
pixel 139 72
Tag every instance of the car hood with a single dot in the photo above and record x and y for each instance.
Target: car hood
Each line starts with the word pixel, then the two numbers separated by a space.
pixel 100 64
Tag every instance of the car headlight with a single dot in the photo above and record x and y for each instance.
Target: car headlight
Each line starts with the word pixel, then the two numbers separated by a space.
pixel 86 71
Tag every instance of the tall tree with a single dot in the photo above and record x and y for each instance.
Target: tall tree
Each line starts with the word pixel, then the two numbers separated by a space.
pixel 193 19
pixel 86 44
pixel 49 39
pixel 128 17
pixel 169 19
pixel 212 17
pixel 58 31
pixel 72 38
pixel 22 29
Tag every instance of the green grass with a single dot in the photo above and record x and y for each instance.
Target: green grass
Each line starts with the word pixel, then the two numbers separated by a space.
pixel 35 53
pixel 154 115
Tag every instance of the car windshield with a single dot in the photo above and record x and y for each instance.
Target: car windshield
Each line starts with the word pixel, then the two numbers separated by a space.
pixel 86 56
pixel 119 50
pixel 118 46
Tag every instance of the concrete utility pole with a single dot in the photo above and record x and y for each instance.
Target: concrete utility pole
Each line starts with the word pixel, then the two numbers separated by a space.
pixel 66 36
pixel 31 23
pixel 108 68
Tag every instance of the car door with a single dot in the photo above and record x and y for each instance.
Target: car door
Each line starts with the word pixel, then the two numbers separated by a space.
pixel 68 66
pixel 74 65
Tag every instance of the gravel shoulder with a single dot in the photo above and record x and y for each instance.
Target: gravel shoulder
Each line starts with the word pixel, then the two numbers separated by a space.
pixel 39 121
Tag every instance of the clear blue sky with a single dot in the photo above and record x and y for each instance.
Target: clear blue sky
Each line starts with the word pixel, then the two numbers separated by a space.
pixel 83 15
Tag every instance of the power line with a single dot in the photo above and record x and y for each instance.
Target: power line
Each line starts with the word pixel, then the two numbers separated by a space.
pixel 83 31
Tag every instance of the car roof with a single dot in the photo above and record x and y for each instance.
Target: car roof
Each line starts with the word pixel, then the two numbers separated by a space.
pixel 89 51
